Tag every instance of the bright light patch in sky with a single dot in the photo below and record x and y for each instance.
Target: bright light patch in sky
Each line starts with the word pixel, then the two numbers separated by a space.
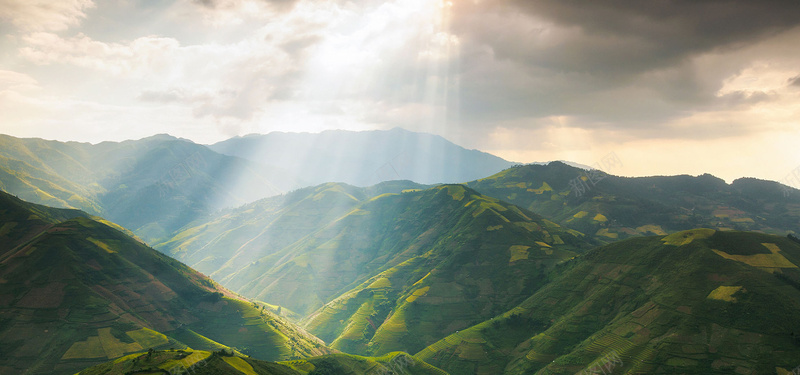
pixel 678 87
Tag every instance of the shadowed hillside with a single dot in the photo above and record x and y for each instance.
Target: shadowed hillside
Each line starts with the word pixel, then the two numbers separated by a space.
pixel 75 292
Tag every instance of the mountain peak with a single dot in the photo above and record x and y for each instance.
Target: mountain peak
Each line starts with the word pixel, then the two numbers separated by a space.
pixel 364 158
pixel 164 137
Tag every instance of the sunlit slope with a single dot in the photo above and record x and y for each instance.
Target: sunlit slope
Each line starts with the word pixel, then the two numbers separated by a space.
pixel 611 208
pixel 365 158
pixel 75 292
pixel 694 302
pixel 152 186
pixel 45 186
pixel 221 362
pixel 232 239
pixel 400 271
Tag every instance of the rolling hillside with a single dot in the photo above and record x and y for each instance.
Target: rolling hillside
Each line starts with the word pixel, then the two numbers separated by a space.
pixel 231 239
pixel 396 271
pixel 76 292
pixel 151 186
pixel 612 208
pixel 365 158
pixel 450 257
pixel 223 362
pixel 693 302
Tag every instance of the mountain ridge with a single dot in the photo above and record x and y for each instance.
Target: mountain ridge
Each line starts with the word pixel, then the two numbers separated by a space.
pixel 611 207
pixel 367 157
pixel 696 302
pixel 151 186
pixel 75 291
pixel 361 268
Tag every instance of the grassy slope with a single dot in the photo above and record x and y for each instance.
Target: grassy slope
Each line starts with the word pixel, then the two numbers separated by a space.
pixel 365 255
pixel 74 291
pixel 226 242
pixel 45 187
pixel 401 271
pixel 664 304
pixel 617 207
pixel 211 363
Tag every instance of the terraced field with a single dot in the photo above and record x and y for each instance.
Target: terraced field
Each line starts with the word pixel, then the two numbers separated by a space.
pixel 76 292
pixel 612 208
pixel 224 362
pixel 451 271
pixel 665 304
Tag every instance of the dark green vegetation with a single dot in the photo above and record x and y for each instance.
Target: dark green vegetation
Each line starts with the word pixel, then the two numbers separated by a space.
pixel 620 207
pixel 152 186
pixel 470 283
pixel 76 292
pixel 224 362
pixel 693 302
pixel 365 158
pixel 393 272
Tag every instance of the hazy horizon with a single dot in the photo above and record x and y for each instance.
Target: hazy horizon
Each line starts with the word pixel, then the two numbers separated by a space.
pixel 670 88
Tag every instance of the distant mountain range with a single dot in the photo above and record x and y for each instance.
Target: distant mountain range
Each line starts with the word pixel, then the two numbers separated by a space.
pixel 75 291
pixel 398 265
pixel 365 158
pixel 548 268
pixel 152 186
pixel 611 208
pixel 156 185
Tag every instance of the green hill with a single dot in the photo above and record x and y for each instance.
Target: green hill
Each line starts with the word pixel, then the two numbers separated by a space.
pixel 224 362
pixel 45 187
pixel 612 208
pixel 693 302
pixel 153 186
pixel 394 272
pixel 234 238
pixel 75 292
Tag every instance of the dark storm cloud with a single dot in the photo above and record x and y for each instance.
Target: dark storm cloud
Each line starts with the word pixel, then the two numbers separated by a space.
pixel 614 63
pixel 795 81
pixel 672 29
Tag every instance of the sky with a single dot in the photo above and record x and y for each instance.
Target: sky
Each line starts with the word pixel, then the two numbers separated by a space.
pixel 665 86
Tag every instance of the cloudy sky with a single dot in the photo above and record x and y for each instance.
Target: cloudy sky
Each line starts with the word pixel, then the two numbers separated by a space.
pixel 668 86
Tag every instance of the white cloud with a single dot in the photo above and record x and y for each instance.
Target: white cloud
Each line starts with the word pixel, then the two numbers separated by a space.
pixel 44 15
pixel 137 57
pixel 10 80
pixel 221 14
pixel 547 79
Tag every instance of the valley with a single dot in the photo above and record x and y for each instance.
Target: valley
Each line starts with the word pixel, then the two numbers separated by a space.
pixel 399 187
pixel 512 273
